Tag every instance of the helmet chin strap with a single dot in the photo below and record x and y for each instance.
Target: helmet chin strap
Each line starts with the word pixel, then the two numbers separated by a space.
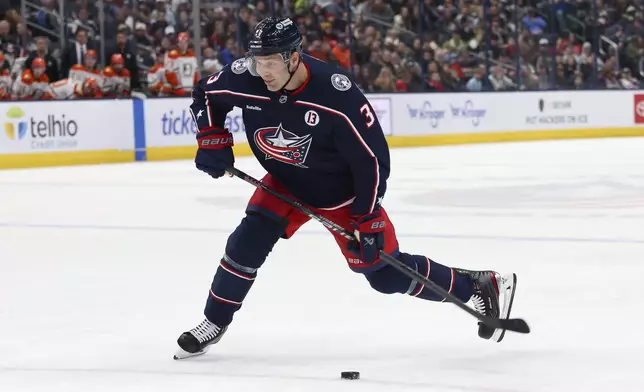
pixel 288 67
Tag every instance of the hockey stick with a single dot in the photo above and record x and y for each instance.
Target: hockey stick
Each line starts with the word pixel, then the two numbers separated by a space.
pixel 516 325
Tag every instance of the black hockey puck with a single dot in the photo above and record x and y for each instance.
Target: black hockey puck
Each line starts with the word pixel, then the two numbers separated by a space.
pixel 350 375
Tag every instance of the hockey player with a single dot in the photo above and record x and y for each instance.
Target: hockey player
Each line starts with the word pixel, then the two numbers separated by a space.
pixel 80 72
pixel 318 138
pixel 33 83
pixel 5 79
pixel 116 78
pixel 68 89
pixel 182 67
pixel 157 81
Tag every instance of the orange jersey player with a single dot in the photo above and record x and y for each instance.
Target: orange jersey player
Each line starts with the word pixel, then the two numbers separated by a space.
pixel 116 78
pixel 33 83
pixel 157 81
pixel 68 89
pixel 80 72
pixel 5 80
pixel 182 69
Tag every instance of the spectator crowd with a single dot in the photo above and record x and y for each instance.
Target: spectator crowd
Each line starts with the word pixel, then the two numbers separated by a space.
pixel 145 46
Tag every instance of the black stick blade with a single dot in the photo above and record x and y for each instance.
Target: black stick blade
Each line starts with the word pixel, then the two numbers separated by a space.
pixel 515 325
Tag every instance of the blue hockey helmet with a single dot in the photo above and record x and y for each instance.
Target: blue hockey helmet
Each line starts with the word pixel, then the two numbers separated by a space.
pixel 274 36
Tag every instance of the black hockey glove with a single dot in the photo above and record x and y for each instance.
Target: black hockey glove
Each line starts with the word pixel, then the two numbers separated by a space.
pixel 215 153
pixel 370 231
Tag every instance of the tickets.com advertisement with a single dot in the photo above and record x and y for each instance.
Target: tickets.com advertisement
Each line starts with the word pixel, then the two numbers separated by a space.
pixel 169 123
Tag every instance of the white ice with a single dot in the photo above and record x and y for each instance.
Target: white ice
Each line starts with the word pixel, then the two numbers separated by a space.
pixel 102 267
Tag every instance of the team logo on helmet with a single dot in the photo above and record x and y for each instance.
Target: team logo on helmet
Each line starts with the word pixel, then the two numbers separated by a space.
pixel 284 23
pixel 239 66
pixel 340 82
pixel 284 146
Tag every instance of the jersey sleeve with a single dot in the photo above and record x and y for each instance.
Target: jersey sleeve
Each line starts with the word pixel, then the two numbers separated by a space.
pixel 209 107
pixel 361 141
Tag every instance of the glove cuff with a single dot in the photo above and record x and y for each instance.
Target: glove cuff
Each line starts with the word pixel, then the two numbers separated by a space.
pixel 370 223
pixel 215 139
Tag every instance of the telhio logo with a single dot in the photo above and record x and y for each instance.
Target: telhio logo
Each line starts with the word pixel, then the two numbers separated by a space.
pixel 15 127
pixel 51 132
pixel 181 123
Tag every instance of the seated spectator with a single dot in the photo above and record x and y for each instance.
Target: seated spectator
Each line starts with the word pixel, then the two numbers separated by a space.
pixel 534 23
pixel 210 62
pixel 475 84
pixel 499 80
pixel 628 81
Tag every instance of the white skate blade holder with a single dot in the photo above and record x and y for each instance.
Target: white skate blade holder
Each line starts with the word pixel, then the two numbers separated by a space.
pixel 507 286
pixel 181 354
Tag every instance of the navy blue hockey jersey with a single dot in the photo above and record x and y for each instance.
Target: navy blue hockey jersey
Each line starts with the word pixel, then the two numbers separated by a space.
pixel 322 142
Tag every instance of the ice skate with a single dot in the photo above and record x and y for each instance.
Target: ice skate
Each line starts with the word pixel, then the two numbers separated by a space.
pixel 493 297
pixel 196 341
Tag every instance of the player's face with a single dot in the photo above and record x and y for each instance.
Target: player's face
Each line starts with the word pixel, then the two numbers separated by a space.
pixel 183 45
pixel 273 70
pixel 38 71
pixel 90 62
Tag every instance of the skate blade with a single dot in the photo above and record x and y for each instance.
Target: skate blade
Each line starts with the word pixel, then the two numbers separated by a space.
pixel 508 287
pixel 181 354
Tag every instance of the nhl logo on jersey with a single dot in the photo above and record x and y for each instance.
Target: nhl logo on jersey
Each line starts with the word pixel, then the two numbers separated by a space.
pixel 284 146
pixel 283 98
pixel 239 66
pixel 340 82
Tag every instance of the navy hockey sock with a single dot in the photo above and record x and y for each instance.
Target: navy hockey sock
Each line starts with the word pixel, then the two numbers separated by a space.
pixel 246 250
pixel 388 280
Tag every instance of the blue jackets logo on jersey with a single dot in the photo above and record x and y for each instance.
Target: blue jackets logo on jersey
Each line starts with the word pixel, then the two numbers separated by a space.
pixel 284 146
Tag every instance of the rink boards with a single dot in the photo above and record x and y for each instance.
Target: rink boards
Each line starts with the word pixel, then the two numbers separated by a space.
pixel 89 132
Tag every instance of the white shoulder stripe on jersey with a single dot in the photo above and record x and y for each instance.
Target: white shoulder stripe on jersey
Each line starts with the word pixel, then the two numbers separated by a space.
pixel 364 144
pixel 238 94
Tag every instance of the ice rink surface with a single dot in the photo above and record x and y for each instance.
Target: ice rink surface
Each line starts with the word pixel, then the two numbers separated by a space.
pixel 102 267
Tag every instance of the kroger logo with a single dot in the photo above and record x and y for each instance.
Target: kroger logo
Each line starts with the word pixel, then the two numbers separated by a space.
pixel 426 112
pixel 468 111
pixel 16 125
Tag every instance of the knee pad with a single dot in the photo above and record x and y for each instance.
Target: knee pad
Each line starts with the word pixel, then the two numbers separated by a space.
pixel 253 240
pixel 388 280
pixel 246 250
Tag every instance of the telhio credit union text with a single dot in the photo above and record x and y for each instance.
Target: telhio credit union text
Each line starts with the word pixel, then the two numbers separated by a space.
pixel 179 122
pixel 46 131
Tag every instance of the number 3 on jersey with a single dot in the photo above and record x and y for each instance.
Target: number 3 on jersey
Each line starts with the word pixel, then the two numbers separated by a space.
pixel 368 114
